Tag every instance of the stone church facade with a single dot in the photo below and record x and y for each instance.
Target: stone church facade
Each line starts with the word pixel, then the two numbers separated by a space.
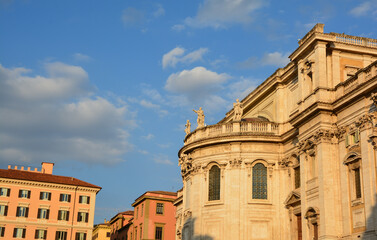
pixel 300 161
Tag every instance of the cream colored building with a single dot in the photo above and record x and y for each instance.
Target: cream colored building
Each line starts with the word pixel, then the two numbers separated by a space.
pixel 301 162
pixel 102 231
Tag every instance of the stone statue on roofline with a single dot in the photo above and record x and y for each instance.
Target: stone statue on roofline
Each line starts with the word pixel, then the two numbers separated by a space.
pixel 238 110
pixel 188 127
pixel 201 116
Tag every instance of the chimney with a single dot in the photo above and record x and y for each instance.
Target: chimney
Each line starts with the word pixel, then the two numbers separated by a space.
pixel 47 167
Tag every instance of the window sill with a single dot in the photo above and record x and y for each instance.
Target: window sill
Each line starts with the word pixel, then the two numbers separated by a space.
pixel 214 203
pixel 356 202
pixel 260 201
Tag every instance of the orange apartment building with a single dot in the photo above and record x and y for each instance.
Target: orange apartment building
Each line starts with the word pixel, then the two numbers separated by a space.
pixel 120 224
pixel 153 218
pixel 39 205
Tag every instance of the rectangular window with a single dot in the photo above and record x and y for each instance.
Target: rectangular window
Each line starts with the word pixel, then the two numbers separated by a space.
pixel 142 209
pixel 297 177
pixel 82 217
pixel 4 192
pixel 108 234
pixel 158 233
pixel 19 233
pixel 3 210
pixel 45 196
pixel 357 183
pixel 84 199
pixel 2 231
pixel 63 215
pixel 80 236
pixel 61 235
pixel 159 208
pixel 43 213
pixel 65 197
pixel 141 232
pixel 22 212
pixel 135 233
pixel 40 234
pixel 137 212
pixel 24 194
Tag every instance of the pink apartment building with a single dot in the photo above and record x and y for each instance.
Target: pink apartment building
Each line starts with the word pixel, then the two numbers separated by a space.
pixel 154 216
pixel 39 205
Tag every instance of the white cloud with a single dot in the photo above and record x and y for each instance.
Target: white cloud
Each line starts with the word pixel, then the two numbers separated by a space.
pixel 148 137
pixel 176 55
pixel 276 59
pixel 162 159
pixel 132 17
pixel 221 13
pixel 159 12
pixel 56 118
pixel 81 57
pixel 363 9
pixel 196 81
pixel 241 88
pixel 178 27
pixel 156 107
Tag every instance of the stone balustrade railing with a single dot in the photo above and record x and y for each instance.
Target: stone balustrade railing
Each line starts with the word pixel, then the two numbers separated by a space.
pixel 360 77
pixel 252 128
pixel 369 42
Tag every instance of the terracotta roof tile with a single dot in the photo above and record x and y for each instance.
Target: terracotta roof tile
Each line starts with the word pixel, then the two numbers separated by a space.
pixel 42 177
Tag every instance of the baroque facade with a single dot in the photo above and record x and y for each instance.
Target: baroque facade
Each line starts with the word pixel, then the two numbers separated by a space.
pixel 296 158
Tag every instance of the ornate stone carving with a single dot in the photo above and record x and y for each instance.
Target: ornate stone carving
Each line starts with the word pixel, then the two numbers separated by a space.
pixel 200 119
pixel 188 127
pixel 340 132
pixel 365 121
pixel 185 163
pixel 238 110
pixel 373 96
pixel 323 135
pixel 236 162
pixel 373 139
pixel 187 214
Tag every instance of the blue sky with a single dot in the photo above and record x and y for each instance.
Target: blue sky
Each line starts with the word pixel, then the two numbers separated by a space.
pixel 103 89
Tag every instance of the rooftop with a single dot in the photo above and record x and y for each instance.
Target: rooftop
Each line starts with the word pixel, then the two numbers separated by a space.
pixel 43 177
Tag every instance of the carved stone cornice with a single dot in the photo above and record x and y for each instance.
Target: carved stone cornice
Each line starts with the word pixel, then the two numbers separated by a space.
pixel 365 121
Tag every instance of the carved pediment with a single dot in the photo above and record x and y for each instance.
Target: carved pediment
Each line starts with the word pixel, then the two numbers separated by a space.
pixel 293 199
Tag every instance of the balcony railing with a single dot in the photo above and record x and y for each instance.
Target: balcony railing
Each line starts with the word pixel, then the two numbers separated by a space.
pixel 234 128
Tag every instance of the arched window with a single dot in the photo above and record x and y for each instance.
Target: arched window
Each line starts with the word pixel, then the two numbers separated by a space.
pixel 214 183
pixel 259 181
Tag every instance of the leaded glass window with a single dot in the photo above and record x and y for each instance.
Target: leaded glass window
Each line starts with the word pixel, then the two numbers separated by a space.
pixel 297 177
pixel 214 183
pixel 357 183
pixel 259 181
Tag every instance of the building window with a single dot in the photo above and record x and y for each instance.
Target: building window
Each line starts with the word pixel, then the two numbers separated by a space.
pixel 135 233
pixel 65 197
pixel 24 194
pixel 4 192
pixel 108 234
pixel 3 210
pixel 141 232
pixel 40 234
pixel 137 212
pixel 214 183
pixel 80 236
pixel 2 231
pixel 45 196
pixel 158 233
pixel 84 199
pixel 297 177
pixel 142 209
pixel 259 181
pixel 43 213
pixel 82 217
pixel 159 208
pixel 22 212
pixel 61 235
pixel 63 215
pixel 19 233
pixel 357 182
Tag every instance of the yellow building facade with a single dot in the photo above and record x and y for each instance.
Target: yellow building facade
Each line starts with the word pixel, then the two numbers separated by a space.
pixel 296 158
